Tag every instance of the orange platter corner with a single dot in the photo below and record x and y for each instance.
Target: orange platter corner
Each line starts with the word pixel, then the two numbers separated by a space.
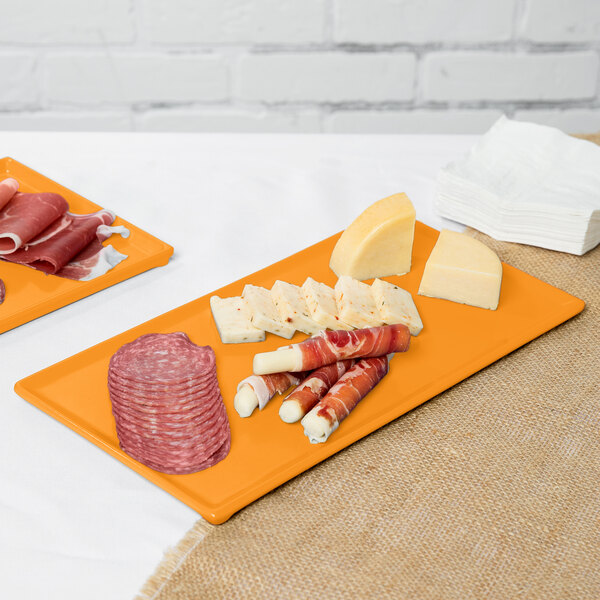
pixel 456 341
pixel 31 294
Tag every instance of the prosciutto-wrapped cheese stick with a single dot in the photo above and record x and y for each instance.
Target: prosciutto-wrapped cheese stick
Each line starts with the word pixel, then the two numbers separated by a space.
pixel 257 390
pixel 328 347
pixel 351 388
pixel 311 390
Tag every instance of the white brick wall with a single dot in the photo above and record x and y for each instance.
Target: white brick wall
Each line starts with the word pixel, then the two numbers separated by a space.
pixel 447 66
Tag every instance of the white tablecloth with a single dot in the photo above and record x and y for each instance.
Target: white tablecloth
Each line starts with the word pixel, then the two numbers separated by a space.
pixel 74 522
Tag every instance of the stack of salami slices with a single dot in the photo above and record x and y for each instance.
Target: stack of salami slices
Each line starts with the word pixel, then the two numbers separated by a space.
pixel 167 405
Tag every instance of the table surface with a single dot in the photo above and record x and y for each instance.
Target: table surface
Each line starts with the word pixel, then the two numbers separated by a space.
pixel 75 522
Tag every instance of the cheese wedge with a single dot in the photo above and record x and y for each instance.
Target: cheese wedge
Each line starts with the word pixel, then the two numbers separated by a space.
pixel 320 299
pixel 290 303
pixel 264 312
pixel 355 303
pixel 379 242
pixel 462 269
pixel 233 320
pixel 396 305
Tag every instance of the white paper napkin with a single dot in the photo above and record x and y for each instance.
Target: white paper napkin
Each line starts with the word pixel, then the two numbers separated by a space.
pixel 526 183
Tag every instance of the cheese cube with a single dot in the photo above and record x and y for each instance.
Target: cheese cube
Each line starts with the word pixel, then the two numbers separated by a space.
pixel 379 242
pixel 264 312
pixel 462 269
pixel 355 303
pixel 320 299
pixel 233 320
pixel 292 308
pixel 396 306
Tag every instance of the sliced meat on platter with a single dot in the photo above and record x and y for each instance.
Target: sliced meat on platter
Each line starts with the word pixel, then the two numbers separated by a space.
pixel 26 216
pixel 351 388
pixel 37 230
pixel 257 390
pixel 328 347
pixel 8 188
pixel 167 405
pixel 311 390
pixel 2 291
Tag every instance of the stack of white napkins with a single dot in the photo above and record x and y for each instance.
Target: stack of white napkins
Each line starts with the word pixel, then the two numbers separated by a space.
pixel 527 183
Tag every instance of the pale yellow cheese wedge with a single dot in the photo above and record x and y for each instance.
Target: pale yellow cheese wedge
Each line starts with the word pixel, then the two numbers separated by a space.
pixel 379 242
pixel 396 306
pixel 462 269
pixel 355 303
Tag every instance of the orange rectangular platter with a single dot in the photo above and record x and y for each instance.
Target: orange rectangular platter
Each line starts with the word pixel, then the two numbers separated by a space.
pixel 457 340
pixel 31 294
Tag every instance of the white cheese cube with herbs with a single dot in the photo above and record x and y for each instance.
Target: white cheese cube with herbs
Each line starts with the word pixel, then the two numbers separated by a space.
pixel 462 269
pixel 355 303
pixel 379 242
pixel 264 312
pixel 290 303
pixel 320 299
pixel 396 305
pixel 233 320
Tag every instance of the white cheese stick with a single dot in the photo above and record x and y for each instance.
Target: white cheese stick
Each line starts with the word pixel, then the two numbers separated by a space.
pixel 264 312
pixel 257 390
pixel 232 318
pixel 396 305
pixel 355 303
pixel 290 303
pixel 283 359
pixel 320 299
pixel 343 397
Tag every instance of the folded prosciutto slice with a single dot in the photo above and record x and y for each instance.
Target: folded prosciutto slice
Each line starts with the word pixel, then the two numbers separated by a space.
pixel 37 230
pixel 351 388
pixel 8 188
pixel 257 390
pixel 311 390
pixel 328 347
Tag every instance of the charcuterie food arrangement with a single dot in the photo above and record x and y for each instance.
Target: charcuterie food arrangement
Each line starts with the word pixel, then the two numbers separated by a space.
pixel 38 230
pixel 164 392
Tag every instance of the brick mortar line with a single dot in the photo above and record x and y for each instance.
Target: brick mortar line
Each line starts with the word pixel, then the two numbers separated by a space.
pixel 329 106
pixel 509 47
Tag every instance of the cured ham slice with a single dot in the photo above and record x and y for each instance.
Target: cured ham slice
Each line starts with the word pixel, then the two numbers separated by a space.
pixel 8 188
pixel 54 247
pixel 26 216
pixel 328 347
pixel 337 404
pixel 311 390
pixel 257 390
pixel 37 230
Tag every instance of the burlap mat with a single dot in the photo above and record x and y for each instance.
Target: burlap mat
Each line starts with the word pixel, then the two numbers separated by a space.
pixel 490 490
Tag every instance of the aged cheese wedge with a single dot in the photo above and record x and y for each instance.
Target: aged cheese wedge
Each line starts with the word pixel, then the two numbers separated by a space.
pixel 264 312
pixel 379 242
pixel 290 303
pixel 462 269
pixel 355 303
pixel 320 299
pixel 396 305
pixel 233 320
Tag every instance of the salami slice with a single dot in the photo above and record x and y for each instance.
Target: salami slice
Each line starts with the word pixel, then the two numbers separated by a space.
pixel 166 402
